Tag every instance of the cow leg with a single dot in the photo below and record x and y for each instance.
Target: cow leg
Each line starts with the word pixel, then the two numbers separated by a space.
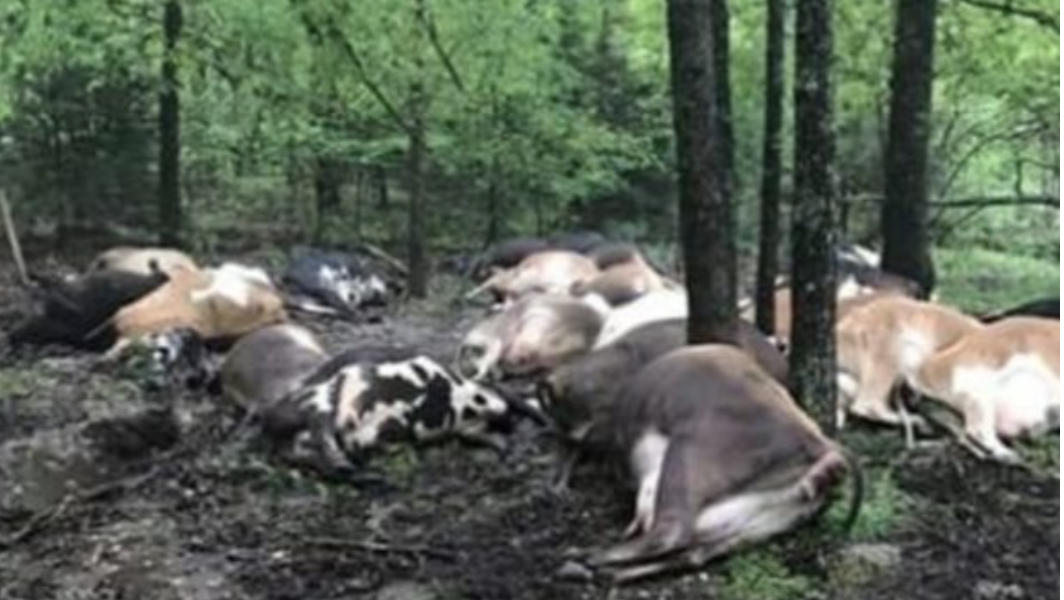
pixel 744 519
pixel 980 427
pixel 684 483
pixel 873 401
pixel 569 455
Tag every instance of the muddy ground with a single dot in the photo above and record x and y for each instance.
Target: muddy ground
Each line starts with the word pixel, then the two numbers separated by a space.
pixel 110 489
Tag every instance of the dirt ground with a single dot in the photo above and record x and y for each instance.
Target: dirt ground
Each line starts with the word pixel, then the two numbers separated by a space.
pixel 109 489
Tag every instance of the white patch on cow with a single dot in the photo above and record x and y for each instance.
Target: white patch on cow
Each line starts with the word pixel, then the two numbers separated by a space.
pixel 405 369
pixel 912 348
pixel 1021 391
pixel 350 397
pixel 647 460
pixel 849 288
pixel 750 517
pixel 660 305
pixel 233 282
pixel 304 339
pixel 371 422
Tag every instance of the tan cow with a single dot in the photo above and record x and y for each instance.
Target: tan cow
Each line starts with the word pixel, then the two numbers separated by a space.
pixel 1004 379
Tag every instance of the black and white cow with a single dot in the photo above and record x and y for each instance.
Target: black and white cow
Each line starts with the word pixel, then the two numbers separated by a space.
pixel 332 423
pixel 340 282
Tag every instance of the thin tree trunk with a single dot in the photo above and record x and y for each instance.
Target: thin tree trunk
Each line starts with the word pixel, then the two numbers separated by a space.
pixel 170 209
pixel 813 269
pixel 904 219
pixel 771 166
pixel 416 154
pixel 706 222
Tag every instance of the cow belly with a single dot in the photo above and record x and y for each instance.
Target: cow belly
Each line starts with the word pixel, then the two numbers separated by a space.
pixel 1021 393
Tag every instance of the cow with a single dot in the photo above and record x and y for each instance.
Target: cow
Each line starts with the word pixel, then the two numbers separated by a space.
pixel 536 333
pixel 141 261
pixel 270 363
pixel 552 271
pixel 721 457
pixel 75 313
pixel 332 423
pixel 335 282
pixel 624 277
pixel 577 393
pixel 882 343
pixel 1004 379
pixel 219 304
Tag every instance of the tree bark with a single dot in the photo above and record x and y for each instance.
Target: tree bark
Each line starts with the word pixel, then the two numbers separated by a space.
pixel 170 209
pixel 904 217
pixel 328 178
pixel 771 167
pixel 722 74
pixel 706 220
pixel 813 269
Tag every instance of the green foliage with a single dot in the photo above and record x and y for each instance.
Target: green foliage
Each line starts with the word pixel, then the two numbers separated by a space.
pixel 539 115
pixel 762 575
pixel 883 512
pixel 984 281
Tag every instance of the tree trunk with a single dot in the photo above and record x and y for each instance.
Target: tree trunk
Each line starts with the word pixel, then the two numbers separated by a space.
pixel 417 150
pixel 812 358
pixel 328 177
pixel 771 167
pixel 722 74
pixel 706 222
pixel 904 219
pixel 170 209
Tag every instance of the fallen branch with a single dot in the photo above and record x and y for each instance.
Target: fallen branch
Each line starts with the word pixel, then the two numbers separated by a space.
pixel 1009 8
pixel 379 253
pixel 40 520
pixel 12 238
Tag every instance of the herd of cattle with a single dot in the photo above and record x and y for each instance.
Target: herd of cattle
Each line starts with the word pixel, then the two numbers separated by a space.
pixel 719 454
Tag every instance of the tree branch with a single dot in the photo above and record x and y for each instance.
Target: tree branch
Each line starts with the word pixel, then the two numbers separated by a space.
pixel 1008 7
pixel 434 38
pixel 990 201
pixel 334 33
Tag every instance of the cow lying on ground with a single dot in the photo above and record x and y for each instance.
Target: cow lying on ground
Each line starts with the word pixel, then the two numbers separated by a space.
pixel 883 343
pixel 536 333
pixel 268 364
pixel 142 261
pixel 335 282
pixel 332 422
pixel 625 276
pixel 1004 379
pixel 74 313
pixel 509 253
pixel 218 304
pixel 552 271
pixel 721 458
pixel 585 391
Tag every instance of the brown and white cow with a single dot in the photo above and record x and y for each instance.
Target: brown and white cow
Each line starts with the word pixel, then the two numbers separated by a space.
pixel 551 271
pixel 884 342
pixel 536 333
pixel 721 457
pixel 1004 379
pixel 625 276
pixel 218 304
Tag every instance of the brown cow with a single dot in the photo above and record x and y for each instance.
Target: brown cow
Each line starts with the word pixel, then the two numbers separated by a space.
pixel 268 364
pixel 884 342
pixel 722 458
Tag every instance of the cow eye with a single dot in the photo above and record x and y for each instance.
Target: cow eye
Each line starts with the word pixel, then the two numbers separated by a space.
pixel 480 400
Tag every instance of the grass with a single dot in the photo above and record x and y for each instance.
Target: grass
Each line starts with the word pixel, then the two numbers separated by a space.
pixel 983 280
pixel 763 575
